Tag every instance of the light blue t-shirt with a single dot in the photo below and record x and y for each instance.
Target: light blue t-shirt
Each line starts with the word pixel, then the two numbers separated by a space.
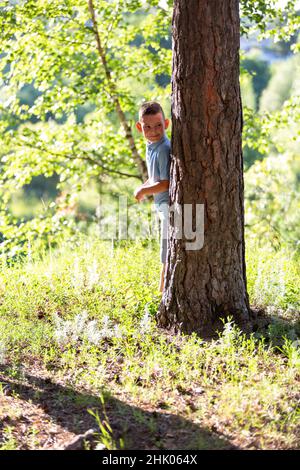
pixel 158 165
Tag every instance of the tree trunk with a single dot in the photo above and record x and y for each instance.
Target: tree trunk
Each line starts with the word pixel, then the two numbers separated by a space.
pixel 205 285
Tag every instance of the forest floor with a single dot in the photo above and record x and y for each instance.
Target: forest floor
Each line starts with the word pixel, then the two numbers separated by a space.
pixel 84 366
pixel 41 411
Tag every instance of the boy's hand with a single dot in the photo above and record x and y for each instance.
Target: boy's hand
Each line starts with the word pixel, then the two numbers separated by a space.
pixel 139 193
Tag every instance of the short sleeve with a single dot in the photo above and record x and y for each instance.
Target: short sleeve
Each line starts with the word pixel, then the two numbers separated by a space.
pixel 164 163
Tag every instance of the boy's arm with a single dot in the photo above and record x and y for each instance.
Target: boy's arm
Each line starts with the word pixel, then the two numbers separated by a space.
pixel 150 189
pixel 158 187
pixel 163 174
pixel 137 191
pixel 146 183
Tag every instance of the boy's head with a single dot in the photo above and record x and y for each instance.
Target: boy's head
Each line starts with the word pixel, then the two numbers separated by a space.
pixel 152 122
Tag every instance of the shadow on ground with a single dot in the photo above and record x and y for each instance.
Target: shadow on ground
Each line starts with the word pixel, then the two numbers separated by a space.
pixel 139 429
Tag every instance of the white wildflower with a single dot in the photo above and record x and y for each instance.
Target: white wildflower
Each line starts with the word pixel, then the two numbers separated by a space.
pixel 93 275
pixel 63 332
pixel 70 331
pixel 145 323
pixel 117 332
pixel 106 327
pixel 77 277
pixel 80 322
pixel 2 353
pixel 61 337
pixel 92 333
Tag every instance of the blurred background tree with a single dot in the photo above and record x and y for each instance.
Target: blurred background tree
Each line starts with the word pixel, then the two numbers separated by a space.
pixel 74 73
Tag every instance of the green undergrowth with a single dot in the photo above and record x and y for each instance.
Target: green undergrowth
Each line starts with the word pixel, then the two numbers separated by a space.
pixel 86 313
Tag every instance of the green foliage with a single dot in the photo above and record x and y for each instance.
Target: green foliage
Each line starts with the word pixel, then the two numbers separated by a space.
pixel 85 308
pixel 47 230
pixel 279 20
pixel 50 51
pixel 10 442
pixel 274 132
pixel 51 46
pixel 280 87
pixel 104 438
pixel 273 279
pixel 58 107
pixel 272 200
pixel 247 91
pixel 259 70
pixel 244 384
pixel 281 333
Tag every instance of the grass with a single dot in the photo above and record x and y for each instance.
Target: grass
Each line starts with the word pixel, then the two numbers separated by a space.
pixel 273 279
pixel 80 320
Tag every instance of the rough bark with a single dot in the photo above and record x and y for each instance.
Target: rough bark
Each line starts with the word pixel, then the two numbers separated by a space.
pixel 207 168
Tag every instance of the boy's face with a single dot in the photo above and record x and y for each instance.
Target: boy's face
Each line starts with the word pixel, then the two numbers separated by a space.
pixel 152 126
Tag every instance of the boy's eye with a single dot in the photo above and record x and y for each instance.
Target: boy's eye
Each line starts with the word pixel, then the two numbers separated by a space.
pixel 148 128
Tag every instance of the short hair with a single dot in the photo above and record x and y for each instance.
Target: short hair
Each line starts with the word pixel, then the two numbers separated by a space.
pixel 150 107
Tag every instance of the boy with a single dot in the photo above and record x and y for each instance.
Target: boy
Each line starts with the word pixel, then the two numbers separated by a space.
pixel 152 124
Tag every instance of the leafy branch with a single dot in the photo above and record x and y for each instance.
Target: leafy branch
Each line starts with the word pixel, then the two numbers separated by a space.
pixel 114 95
